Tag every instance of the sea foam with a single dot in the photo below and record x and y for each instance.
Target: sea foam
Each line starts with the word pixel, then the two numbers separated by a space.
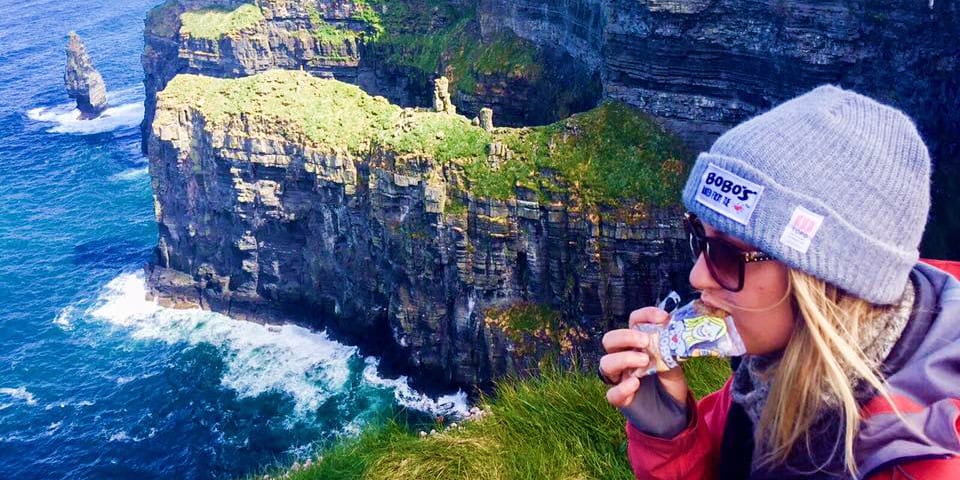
pixel 19 393
pixel 129 174
pixel 304 364
pixel 66 119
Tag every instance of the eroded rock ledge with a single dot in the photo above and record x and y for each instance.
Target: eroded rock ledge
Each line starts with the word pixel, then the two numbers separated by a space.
pixel 460 253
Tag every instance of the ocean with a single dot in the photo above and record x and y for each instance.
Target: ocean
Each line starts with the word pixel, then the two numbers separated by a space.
pixel 95 381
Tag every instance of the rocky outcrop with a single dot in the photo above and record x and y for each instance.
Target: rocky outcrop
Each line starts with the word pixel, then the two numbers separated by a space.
pixel 83 81
pixel 441 96
pixel 703 66
pixel 390 245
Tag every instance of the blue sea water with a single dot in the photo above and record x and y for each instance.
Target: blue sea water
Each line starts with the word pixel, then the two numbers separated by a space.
pixel 96 382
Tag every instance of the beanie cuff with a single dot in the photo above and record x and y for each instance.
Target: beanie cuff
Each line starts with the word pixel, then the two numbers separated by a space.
pixel 838 253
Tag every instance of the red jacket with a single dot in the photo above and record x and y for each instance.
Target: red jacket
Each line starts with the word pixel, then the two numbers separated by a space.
pixel 692 454
pixel 892 452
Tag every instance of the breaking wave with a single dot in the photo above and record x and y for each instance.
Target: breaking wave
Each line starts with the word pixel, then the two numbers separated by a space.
pixel 451 405
pixel 125 110
pixel 67 119
pixel 304 364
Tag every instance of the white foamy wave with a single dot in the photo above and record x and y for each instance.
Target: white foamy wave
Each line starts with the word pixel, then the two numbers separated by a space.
pixel 306 365
pixel 130 174
pixel 67 118
pixel 19 393
pixel 452 405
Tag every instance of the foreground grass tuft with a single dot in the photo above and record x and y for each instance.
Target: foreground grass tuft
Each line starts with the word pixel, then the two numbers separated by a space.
pixel 556 425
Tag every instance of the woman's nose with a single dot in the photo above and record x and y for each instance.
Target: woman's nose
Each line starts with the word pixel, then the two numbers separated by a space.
pixel 700 278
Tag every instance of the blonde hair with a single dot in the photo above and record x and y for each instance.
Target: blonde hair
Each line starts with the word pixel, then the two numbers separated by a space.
pixel 819 369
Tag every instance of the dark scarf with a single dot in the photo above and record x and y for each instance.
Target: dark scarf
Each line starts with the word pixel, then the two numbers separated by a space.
pixel 824 456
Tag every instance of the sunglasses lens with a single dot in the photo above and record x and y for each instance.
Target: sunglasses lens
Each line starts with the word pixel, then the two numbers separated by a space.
pixel 724 261
pixel 726 264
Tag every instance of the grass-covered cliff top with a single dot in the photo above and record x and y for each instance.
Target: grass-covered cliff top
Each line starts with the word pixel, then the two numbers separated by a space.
pixel 426 35
pixel 605 155
pixel 214 23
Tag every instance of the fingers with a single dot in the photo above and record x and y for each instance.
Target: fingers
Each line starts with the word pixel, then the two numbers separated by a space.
pixel 648 315
pixel 622 394
pixel 616 366
pixel 624 339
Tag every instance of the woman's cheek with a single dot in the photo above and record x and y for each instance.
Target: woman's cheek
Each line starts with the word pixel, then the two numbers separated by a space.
pixel 748 336
pixel 764 335
pixel 756 337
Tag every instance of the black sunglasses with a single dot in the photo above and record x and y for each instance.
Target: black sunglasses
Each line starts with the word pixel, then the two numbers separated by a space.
pixel 725 261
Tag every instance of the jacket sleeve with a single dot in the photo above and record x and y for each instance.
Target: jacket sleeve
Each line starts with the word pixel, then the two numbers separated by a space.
pixel 928 469
pixel 691 454
pixel 932 468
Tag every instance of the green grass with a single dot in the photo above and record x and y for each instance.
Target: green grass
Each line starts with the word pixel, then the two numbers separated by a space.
pixel 607 155
pixel 326 33
pixel 367 14
pixel 216 23
pixel 555 425
pixel 420 34
pixel 705 375
pixel 335 116
pixel 610 155
pixel 444 137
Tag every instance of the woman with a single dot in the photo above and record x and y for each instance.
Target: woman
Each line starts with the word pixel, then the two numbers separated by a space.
pixel 805 223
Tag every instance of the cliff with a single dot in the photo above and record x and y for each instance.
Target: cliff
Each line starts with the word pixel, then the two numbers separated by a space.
pixel 465 252
pixel 702 66
pixel 83 82
pixel 393 49
pixel 460 253
pixel 698 66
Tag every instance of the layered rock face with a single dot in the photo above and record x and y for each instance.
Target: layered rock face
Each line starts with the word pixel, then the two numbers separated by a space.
pixel 83 81
pixel 703 66
pixel 386 244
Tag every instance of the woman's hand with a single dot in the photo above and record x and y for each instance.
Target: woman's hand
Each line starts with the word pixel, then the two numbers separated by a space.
pixel 626 352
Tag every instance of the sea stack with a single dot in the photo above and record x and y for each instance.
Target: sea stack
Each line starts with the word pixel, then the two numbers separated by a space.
pixel 84 82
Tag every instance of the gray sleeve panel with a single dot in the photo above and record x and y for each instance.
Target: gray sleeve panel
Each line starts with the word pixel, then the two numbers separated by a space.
pixel 654 412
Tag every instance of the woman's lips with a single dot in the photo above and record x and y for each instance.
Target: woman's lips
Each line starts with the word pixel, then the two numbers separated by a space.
pixel 709 303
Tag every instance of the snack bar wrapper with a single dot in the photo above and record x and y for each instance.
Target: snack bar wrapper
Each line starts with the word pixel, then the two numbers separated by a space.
pixel 694 330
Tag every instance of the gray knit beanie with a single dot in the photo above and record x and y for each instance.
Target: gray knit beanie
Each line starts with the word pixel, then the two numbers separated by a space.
pixel 831 183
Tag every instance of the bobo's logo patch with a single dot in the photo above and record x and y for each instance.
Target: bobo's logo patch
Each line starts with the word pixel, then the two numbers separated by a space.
pixel 728 194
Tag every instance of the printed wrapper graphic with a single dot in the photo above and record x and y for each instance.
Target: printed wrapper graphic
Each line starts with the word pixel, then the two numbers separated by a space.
pixel 693 331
